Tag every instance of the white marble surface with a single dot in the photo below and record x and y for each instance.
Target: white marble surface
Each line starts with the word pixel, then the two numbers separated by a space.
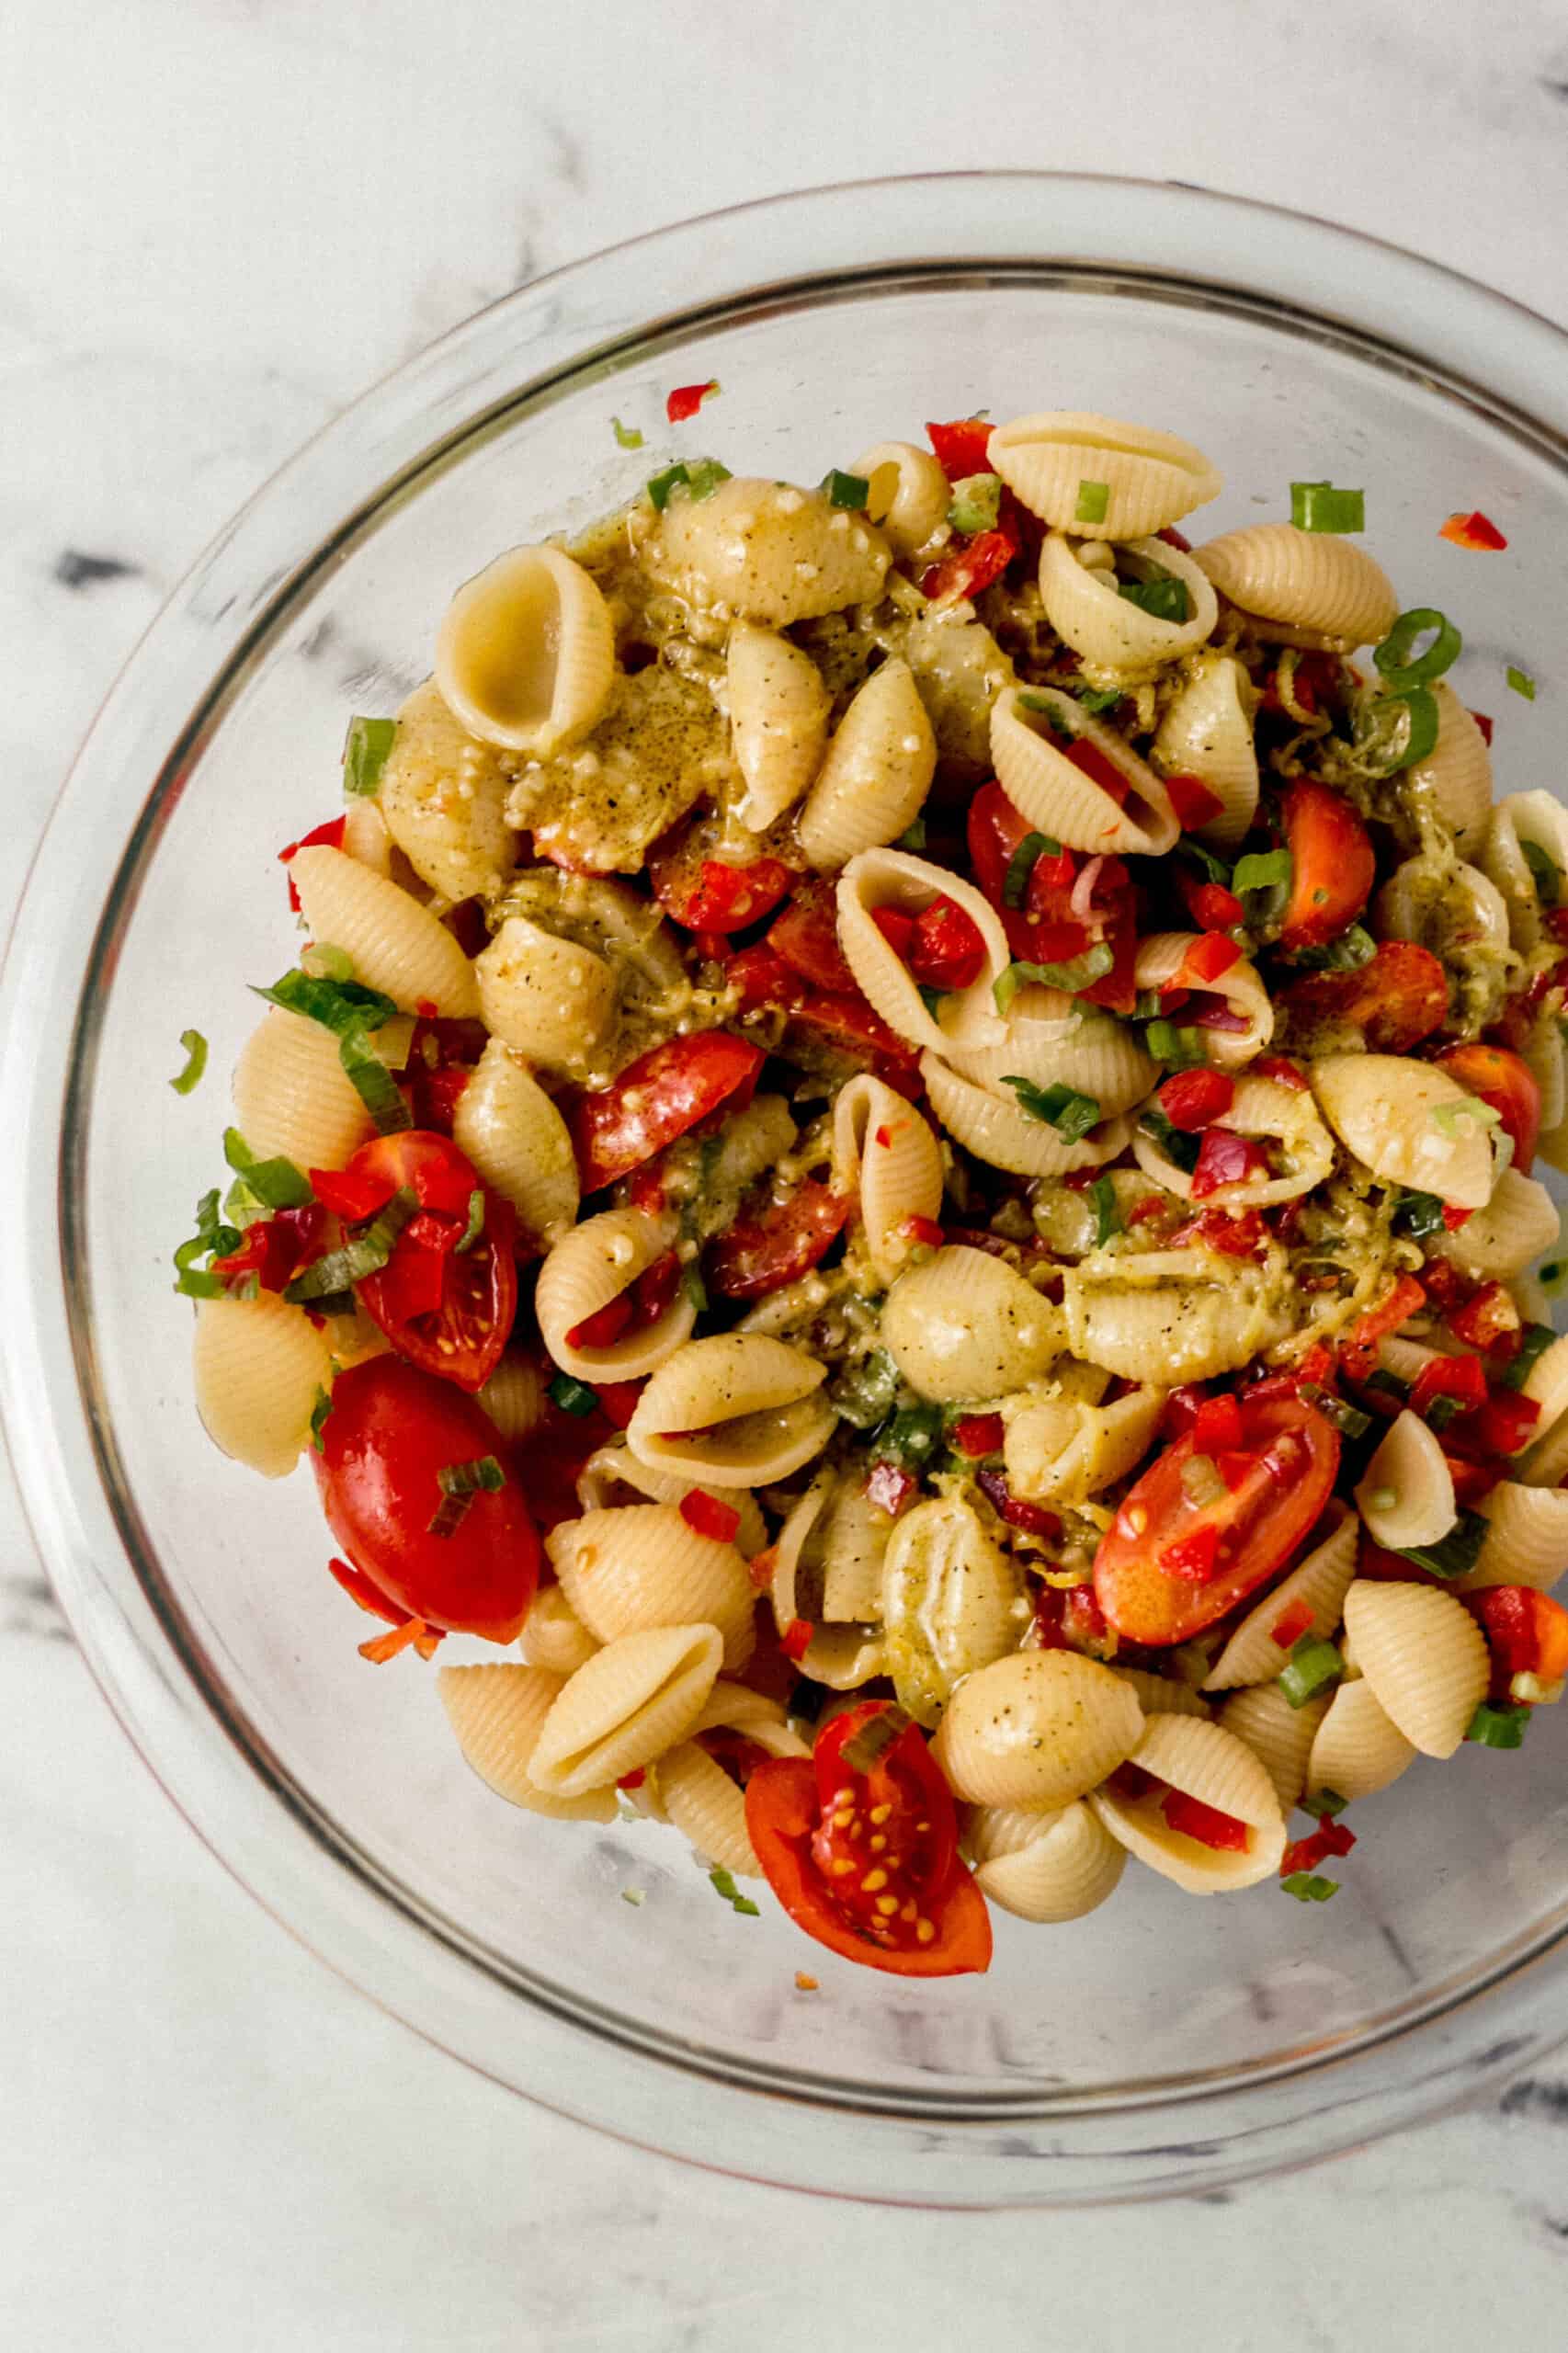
pixel 219 220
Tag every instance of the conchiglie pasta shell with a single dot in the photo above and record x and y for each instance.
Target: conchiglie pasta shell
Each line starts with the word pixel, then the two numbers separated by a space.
pixel 442 796
pixel 632 1700
pixel 1321 1580
pixel 1381 1105
pixel 259 1365
pixel 1462 918
pixel 518 1141
pixel 752 1142
pixel 1309 588
pixel 1425 1657
pixel 736 1410
pixel 640 1565
pixel 1357 1750
pixel 293 1098
pixel 1160 964
pixel 965 1325
pixel 1061 1451
pixel 1542 820
pixel 877 772
pixel 1209 1763
pixel 395 944
pixel 590 1267
pixel 1042 781
pixel 829 1572
pixel 526 653
pixel 553 1636
pixel 885 1153
pixel 1456 775
pixel 734 1706
pixel 1260 1108
pixel 365 835
pixel 1182 1310
pixel 1516 1225
pixel 909 493
pixel 953 1602
pixel 612 1475
pixel 960 670
pixel 1410 1465
pixel 1547 1060
pixel 779 712
pixel 765 552
pixel 549 999
pixel 1546 1383
pixel 514 1397
pixel 1046 1042
pixel 992 1830
pixel 1279 1735
pixel 497 1713
pixel 1526 1540
pixel 1162 1695
pixel 998 1131
pixel 708 1809
pixel 1084 607
pixel 1205 731
pixel 1037 1729
pixel 1068 1870
pixel 1153 479
pixel 892 878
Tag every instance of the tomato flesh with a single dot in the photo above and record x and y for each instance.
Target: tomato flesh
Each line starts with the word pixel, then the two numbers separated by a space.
pixel 1526 1633
pixel 663 1094
pixel 1283 1472
pixel 1506 1082
pixel 1399 996
pixel 806 937
pixel 1333 867
pixel 392 1429
pixel 778 1244
pixel 705 893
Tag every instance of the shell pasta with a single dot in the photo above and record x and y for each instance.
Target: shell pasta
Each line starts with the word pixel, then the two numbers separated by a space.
pixel 900 1161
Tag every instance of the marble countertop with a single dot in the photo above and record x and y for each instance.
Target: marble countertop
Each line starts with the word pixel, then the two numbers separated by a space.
pixel 221 219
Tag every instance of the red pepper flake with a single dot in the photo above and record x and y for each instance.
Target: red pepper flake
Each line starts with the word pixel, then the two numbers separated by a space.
pixel 686 399
pixel 978 1433
pixel 708 1517
pixel 798 1639
pixel 1306 1854
pixel 1192 1558
pixel 1486 726
pixel 884 1137
pixel 1217 1424
pixel 1193 802
pixel 633 1780
pixel 1225 1833
pixel 1474 531
pixel 1290 1625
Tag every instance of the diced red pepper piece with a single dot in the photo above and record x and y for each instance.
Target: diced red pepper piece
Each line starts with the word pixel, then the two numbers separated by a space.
pixel 1032 1520
pixel 1239 1233
pixel 798 1638
pixel 1453 1219
pixel 1505 1424
pixel 1208 959
pixel 961 446
pixel 1194 1099
pixel 1306 1854
pixel 686 399
pixel 1461 1378
pixel 1290 1625
pixel 327 836
pixel 922 1230
pixel 1193 802
pixel 978 1433
pixel 1210 905
pixel 1474 531
pixel 1225 1833
pixel 1217 1423
pixel 1358 1354
pixel 1487 1317
pixel 1486 726
pixel 706 1516
pixel 945 946
pixel 1226 1158
pixel 971 569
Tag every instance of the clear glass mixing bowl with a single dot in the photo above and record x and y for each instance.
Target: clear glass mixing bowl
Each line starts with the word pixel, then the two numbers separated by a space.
pixel 1162 2044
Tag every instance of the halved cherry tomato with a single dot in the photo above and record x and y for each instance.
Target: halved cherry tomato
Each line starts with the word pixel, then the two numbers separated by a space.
pixel 1226 1158
pixel 633 1310
pixel 806 937
pixel 392 1428
pixel 274 1248
pixel 703 893
pixel 1506 1082
pixel 1333 868
pixel 1192 1099
pixel 907 1904
pixel 971 567
pixel 945 949
pixel 663 1094
pixel 777 1245
pixel 430 1167
pixel 1194 803
pixel 761 977
pixel 1287 1466
pixel 1239 1233
pixel 835 1036
pixel 961 446
pixel 1399 996
pixel 1526 1632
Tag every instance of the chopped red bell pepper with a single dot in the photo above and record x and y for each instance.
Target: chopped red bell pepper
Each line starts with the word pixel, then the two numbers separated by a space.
pixel 1193 802
pixel 706 1516
pixel 1359 1353
pixel 978 1433
pixel 1239 1233
pixel 1030 1519
pixel 1306 1854
pixel 891 1488
pixel 1208 959
pixel 798 1638
pixel 1226 1158
pixel 327 836
pixel 1486 726
pixel 686 399
pixel 1503 1425
pixel 1194 1099
pixel 1290 1625
pixel 1225 1833
pixel 961 446
pixel 1474 531
pixel 1218 1422
pixel 970 568
pixel 922 1230
pixel 1210 905
pixel 947 949
pixel 1461 1378
pixel 1487 1318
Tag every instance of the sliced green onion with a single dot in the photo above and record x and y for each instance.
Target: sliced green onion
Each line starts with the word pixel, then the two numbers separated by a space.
pixel 365 1253
pixel 1521 682
pixel 1388 1383
pixel 1177 1145
pixel 976 502
pixel 196 1282
pixel 1397 659
pixel 1081 973
pixel 1533 1345
pixel 1318 506
pixel 365 749
pixel 627 435
pixel 662 487
pixel 1095 699
pixel 212 1239
pixel 1265 872
pixel 1455 1554
pixel 1545 872
pixel 1419 729
pixel 850 491
pixel 637 1896
pixel 1166 599
pixel 1423 1212
pixel 1498 1727
pixel 1094 502
pixel 1446 1117
pixel 693 1285
pixel 278 1184
pixel 1021 865
pixel 1312 1665
pixel 322 962
pixel 912 836
pixel 339 1006
pixel 1310 1887
pixel 319 1412
pixel 1179 1048
pixel 703 476
pixel 1060 1106
pixel 482 1475
pixel 1107 1210
pixel 374 1083
pixel 1354 948
pixel 1324 1804
pixel 195 1047
pixel 475 1225
pixel 910 1436
pixel 722 1883
pixel 573 1397
pixel 1348 1420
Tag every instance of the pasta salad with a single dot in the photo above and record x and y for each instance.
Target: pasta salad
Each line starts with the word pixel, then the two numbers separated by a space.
pixel 899 1159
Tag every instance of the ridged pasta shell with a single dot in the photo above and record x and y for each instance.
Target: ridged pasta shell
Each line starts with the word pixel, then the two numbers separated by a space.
pixel 734 1410
pixel 1455 779
pixel 1205 731
pixel 894 878
pixel 1380 1108
pixel 829 1572
pixel 960 670
pixel 1321 1580
pixel 1539 819
pixel 1526 1540
pixel 553 1636
pixel 1546 1058
pixel 518 1141
pixel 998 1131
pixel 989 1831
pixel 526 653
pixel 965 1325
pixel 1046 1039
pixel 1260 1108
pixel 734 1706
pixel 779 714
pixel 442 796
pixel 1458 917
pixel 514 1397
pixel 1042 781
pixel 1037 1729
pixel 708 1809
pixel 365 835
pixel 1209 1763
pixel 909 493
pixel 293 1098
pixel 612 1475
pixel 1279 1736
pixel 1161 963
pixel 640 1565
pixel 1084 607
pixel 877 771
pixel 953 1602
pixel 549 999
pixel 1152 479
pixel 590 1267
pixel 1162 1695
pixel 1546 1383
pixel 1310 588
pixel 497 1712
pixel 1410 1466
pixel 395 944
pixel 885 1155
pixel 632 1700
pixel 1495 1243
pixel 1061 1451
pixel 1068 1870
pixel 1357 1750
pixel 765 552
pixel 1425 1657
pixel 1185 1311
pixel 258 1366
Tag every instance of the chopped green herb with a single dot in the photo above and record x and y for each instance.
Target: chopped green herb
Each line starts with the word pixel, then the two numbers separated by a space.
pixel 1348 1419
pixel 1498 1727
pixel 319 1412
pixel 1324 1805
pixel 573 1397
pixel 1354 948
pixel 1094 502
pixel 1107 1210
pixel 976 502
pixel 864 1392
pixel 693 1285
pixel 703 476
pixel 1545 872
pixel 1312 1665
pixel 1396 657
pixel 1164 599
pixel 1060 1106
pixel 850 491
pixel 1095 699
pixel 1403 727
pixel 195 1047
pixel 374 1083
pixel 662 487
pixel 212 1239
pixel 1423 1214
pixel 366 1252
pixel 1455 1554
pixel 910 1436
pixel 1081 973
pixel 475 1225
pixel 1536 1340
pixel 1021 865
pixel 1470 1109
pixel 1263 877
pixel 1180 1148
pixel 627 435
pixel 365 749
pixel 1180 1049
pixel 1521 682
pixel 277 1184
pixel 912 836
pixel 341 1006
pixel 932 1000
pixel 1318 506
pixel 1310 1887
pixel 1041 708
pixel 722 1883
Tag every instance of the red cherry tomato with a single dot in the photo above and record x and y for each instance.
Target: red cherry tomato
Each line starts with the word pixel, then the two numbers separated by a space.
pixel 1526 1632
pixel 663 1094
pixel 1508 1083
pixel 391 1430
pixel 806 937
pixel 761 977
pixel 945 949
pixel 971 567
pixel 1333 867
pixel 430 1167
pixel 962 446
pixel 1283 1475
pixel 778 1244
pixel 909 1906
pixel 1399 996
pixel 1195 1098
pixel 835 1036
pixel 703 893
